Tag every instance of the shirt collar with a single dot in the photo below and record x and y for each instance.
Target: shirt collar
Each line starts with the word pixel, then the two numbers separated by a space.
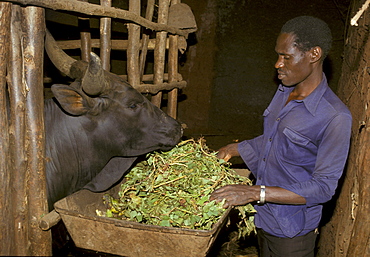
pixel 312 100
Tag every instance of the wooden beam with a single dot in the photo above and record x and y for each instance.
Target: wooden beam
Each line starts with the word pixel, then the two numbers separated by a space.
pixel 155 88
pixel 116 44
pixel 97 10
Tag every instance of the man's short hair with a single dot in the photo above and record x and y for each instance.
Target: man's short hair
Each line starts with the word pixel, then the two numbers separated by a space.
pixel 310 32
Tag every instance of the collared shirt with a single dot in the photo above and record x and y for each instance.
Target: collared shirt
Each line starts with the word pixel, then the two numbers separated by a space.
pixel 303 149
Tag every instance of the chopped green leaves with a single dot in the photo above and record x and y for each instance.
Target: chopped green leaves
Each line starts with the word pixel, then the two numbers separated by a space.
pixel 173 189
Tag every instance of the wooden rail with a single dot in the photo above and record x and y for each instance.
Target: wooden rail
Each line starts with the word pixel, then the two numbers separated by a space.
pixel 103 11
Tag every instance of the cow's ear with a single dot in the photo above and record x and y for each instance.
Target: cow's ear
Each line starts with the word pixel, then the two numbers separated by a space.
pixel 70 99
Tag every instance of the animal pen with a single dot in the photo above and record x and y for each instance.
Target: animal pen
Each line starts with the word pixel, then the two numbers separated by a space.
pixel 157 26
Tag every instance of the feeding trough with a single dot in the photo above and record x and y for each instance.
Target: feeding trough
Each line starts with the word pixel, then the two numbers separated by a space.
pixel 127 238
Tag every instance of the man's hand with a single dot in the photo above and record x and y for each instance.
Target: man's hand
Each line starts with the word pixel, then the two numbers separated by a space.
pixel 236 195
pixel 228 151
pixel 243 194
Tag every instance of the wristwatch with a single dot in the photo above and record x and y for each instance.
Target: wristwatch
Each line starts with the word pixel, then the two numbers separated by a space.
pixel 262 195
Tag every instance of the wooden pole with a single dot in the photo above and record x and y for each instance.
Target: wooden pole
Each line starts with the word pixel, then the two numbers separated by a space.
pixel 97 10
pixel 172 71
pixel 145 38
pixel 7 231
pixel 117 44
pixel 133 48
pixel 39 241
pixel 105 37
pixel 17 132
pixel 84 25
pixel 160 49
pixel 26 132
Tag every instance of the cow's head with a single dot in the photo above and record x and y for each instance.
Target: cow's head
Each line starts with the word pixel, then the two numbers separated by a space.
pixel 114 111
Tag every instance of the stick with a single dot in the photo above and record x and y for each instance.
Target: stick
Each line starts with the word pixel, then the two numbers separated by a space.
pixel 168 182
pixel 359 13
pixel 49 220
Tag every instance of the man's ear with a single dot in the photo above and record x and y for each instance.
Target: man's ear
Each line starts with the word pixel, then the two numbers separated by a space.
pixel 316 54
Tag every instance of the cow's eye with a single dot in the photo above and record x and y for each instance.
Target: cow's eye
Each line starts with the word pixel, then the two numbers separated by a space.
pixel 132 106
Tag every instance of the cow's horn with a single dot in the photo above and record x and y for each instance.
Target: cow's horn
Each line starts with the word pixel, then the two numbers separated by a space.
pixel 60 59
pixel 94 81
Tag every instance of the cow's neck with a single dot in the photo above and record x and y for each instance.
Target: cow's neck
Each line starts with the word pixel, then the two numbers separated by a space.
pixel 70 153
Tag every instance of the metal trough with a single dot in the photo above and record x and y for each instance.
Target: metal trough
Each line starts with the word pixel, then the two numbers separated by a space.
pixel 125 238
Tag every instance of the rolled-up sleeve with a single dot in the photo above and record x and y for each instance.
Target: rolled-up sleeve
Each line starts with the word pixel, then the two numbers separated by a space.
pixel 249 151
pixel 331 159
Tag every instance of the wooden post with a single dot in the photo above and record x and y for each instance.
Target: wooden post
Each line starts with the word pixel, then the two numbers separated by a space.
pixel 160 49
pixel 145 38
pixel 105 37
pixel 17 131
pixel 172 71
pixel 27 140
pixel 84 25
pixel 133 47
pixel 7 231
pixel 39 241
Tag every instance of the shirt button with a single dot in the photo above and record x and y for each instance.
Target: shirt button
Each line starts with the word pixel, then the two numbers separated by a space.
pixel 277 119
pixel 270 139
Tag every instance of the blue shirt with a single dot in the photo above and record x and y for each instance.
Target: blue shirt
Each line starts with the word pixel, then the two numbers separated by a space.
pixel 303 149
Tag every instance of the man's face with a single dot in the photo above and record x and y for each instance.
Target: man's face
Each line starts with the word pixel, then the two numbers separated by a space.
pixel 293 66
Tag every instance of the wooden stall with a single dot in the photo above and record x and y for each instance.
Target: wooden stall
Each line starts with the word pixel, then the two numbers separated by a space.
pixel 22 176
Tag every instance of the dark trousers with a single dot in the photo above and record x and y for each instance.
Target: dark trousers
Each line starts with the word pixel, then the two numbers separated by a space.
pixel 300 246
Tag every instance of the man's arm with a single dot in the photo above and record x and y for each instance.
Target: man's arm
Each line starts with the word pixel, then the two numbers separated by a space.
pixel 243 194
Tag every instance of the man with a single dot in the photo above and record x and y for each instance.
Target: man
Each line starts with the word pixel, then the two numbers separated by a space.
pixel 300 157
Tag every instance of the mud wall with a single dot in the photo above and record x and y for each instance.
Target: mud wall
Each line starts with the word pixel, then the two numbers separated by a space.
pixel 347 233
pixel 229 65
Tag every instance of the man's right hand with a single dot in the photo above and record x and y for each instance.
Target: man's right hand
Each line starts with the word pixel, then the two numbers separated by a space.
pixel 228 151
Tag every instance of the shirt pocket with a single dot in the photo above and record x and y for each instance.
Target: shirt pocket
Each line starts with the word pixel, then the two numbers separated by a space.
pixel 297 148
pixel 266 113
pixel 266 122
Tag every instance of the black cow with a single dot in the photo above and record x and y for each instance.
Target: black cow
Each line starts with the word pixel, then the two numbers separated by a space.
pixel 97 127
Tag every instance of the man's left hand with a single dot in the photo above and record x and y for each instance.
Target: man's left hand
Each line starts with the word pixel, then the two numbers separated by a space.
pixel 236 195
